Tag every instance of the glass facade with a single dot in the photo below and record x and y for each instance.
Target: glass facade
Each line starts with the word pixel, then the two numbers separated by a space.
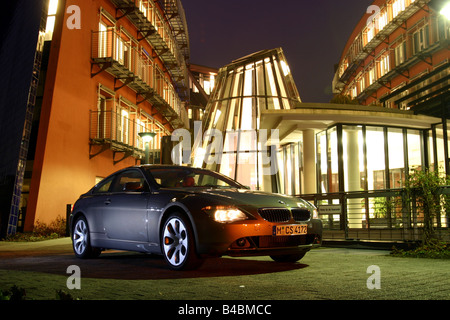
pixel 290 168
pixel 373 157
pixel 366 164
pixel 233 142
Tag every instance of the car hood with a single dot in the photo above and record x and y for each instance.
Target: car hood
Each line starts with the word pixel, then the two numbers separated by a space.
pixel 258 199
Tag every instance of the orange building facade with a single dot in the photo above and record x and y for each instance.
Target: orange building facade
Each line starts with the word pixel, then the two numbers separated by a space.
pixel 396 58
pixel 115 69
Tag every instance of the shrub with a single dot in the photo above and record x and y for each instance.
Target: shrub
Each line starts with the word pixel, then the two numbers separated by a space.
pixel 432 249
pixel 42 231
pixel 13 294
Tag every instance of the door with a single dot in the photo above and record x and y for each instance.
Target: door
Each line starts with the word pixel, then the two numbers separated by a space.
pixel 125 214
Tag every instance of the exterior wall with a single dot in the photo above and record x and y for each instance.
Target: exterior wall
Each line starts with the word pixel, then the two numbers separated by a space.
pixel 63 168
pixel 405 73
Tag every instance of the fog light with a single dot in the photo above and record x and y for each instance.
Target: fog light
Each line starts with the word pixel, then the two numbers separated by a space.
pixel 317 239
pixel 241 242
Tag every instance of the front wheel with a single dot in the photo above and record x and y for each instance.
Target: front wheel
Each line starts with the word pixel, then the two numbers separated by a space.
pixel 288 257
pixel 178 245
pixel 81 240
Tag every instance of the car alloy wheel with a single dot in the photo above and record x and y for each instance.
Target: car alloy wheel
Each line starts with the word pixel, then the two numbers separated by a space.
pixel 80 235
pixel 81 242
pixel 178 245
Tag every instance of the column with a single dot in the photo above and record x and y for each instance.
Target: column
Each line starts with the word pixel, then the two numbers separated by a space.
pixel 355 212
pixel 309 161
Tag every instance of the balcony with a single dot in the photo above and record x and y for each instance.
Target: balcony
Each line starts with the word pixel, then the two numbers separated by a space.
pixel 131 66
pixel 363 46
pixel 156 30
pixel 110 130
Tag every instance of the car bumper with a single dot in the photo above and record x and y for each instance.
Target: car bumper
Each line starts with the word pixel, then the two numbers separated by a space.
pixel 255 238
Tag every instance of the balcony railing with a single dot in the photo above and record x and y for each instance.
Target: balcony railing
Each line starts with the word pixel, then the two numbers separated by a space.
pixel 120 133
pixel 129 62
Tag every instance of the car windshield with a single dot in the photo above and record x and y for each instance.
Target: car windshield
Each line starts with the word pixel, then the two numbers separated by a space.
pixel 167 177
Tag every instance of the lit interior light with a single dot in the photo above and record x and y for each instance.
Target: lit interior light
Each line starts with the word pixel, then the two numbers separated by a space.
pixel 147 136
pixel 52 7
pixel 445 11
pixel 50 25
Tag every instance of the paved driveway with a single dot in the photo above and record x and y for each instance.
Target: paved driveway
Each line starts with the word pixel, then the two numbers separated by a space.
pixel 42 268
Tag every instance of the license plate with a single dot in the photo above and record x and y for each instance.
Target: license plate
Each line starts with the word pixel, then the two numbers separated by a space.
pixel 290 230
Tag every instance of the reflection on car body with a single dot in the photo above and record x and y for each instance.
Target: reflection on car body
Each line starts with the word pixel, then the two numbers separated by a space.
pixel 187 214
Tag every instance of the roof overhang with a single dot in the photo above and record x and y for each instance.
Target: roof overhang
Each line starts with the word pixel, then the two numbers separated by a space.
pixel 316 116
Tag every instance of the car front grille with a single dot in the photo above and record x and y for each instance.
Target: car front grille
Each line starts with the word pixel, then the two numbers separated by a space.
pixel 284 214
pixel 275 215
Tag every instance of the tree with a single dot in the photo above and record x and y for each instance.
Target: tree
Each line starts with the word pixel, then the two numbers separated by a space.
pixel 425 188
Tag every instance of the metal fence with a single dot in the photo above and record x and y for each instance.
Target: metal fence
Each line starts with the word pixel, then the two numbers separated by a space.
pixel 375 215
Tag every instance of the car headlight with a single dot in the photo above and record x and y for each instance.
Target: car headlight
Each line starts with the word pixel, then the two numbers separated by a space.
pixel 225 214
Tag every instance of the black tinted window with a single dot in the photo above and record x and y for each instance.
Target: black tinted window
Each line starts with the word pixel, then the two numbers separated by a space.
pixel 176 177
pixel 130 181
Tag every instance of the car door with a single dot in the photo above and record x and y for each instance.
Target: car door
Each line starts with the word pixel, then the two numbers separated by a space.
pixel 125 213
pixel 95 204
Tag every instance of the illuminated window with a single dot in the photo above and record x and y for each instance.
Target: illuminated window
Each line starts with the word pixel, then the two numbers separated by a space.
pixel 397 7
pixel 372 76
pixel 123 129
pixel 102 41
pixel 396 158
pixel 370 32
pixel 51 18
pixel 384 65
pixel 354 92
pixel 383 20
pixel 362 83
pixel 400 53
pixel 421 39
pixel 119 53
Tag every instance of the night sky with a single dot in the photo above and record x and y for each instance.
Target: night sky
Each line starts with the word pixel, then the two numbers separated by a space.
pixel 312 33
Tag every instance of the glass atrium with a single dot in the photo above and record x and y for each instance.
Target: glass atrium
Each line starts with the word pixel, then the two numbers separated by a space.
pixel 233 142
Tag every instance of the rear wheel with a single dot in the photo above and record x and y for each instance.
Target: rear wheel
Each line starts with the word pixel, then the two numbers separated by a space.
pixel 81 240
pixel 178 245
pixel 289 257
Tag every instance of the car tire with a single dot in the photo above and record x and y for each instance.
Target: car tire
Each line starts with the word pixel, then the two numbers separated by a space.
pixel 81 241
pixel 178 245
pixel 288 257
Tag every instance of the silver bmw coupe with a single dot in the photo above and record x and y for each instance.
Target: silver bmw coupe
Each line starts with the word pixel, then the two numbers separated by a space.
pixel 187 214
